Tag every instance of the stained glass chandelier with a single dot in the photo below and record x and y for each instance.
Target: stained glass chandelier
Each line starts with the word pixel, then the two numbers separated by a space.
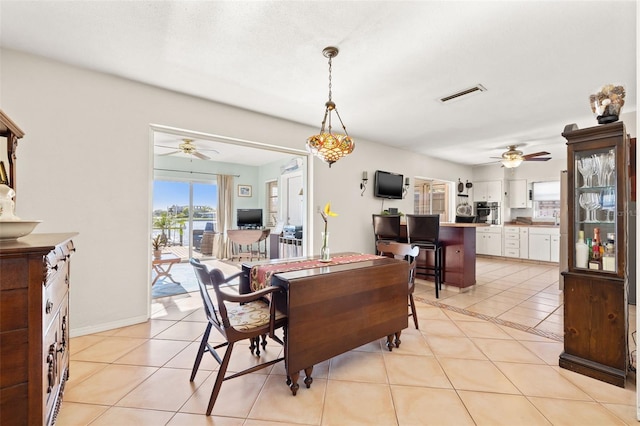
pixel 326 145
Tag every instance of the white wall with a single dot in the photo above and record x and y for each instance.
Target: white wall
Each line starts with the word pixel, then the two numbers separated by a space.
pixel 86 163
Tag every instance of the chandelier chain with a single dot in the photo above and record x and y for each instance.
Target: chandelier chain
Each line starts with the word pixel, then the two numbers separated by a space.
pixel 330 79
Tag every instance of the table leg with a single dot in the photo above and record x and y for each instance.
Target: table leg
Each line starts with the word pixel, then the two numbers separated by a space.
pixel 308 379
pixel 293 385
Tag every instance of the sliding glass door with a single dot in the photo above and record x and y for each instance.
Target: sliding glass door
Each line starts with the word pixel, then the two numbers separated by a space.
pixel 184 213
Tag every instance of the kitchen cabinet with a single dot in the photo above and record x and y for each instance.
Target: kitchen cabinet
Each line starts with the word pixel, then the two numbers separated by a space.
pixel 541 245
pixel 555 248
pixel 489 191
pixel 518 194
pixel 34 327
pixel 511 241
pixel 489 240
pixel 596 317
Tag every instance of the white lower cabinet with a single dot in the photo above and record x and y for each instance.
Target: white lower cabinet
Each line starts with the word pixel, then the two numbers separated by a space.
pixel 544 244
pixel 489 240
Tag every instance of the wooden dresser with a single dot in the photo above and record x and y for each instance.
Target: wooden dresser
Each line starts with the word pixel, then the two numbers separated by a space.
pixel 34 327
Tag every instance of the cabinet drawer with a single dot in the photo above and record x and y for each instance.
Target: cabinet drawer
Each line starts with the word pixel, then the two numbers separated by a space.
pixel 512 244
pixel 513 229
pixel 511 236
pixel 511 252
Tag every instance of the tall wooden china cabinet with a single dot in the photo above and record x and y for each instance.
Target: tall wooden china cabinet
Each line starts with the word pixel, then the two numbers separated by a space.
pixel 596 282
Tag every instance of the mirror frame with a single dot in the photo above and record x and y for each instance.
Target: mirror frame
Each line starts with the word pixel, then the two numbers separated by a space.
pixel 11 132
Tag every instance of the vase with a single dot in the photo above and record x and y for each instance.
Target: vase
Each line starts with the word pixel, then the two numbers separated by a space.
pixel 157 254
pixel 325 253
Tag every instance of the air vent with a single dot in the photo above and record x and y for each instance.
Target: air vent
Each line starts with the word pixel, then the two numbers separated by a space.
pixel 466 92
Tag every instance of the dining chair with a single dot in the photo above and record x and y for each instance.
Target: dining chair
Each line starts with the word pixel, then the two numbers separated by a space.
pixel 236 317
pixel 386 227
pixel 423 230
pixel 409 253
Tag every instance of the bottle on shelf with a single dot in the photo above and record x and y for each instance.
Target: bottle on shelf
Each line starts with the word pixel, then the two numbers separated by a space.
pixel 582 251
pixel 595 261
pixel 609 255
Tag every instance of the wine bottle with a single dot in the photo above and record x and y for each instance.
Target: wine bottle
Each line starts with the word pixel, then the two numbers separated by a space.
pixel 596 259
pixel 582 251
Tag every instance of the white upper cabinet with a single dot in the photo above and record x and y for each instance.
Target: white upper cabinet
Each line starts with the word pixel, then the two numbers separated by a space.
pixel 518 194
pixel 489 191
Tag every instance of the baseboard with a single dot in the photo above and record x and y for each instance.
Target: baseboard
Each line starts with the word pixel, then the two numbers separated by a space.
pixel 76 332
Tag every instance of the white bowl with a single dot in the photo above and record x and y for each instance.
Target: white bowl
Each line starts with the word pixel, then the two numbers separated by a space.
pixel 12 229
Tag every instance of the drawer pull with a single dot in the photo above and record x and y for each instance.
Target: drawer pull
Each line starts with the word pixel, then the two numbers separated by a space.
pixel 48 307
pixel 51 370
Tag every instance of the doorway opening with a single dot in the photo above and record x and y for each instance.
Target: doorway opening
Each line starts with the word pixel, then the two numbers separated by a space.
pixel 432 196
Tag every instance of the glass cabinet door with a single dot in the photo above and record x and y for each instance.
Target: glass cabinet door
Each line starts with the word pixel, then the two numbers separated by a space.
pixel 595 209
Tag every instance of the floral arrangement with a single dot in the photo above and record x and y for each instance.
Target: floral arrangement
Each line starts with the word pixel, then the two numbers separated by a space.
pixel 325 215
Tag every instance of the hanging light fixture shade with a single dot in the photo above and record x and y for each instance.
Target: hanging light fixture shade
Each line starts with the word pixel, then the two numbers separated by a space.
pixel 512 158
pixel 326 145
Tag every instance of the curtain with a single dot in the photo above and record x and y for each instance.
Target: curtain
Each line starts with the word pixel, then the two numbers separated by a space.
pixel 224 215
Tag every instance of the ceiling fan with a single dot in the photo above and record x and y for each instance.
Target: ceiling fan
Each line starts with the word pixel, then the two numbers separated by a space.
pixel 188 147
pixel 513 157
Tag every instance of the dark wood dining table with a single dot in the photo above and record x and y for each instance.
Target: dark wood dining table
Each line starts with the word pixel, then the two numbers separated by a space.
pixel 335 307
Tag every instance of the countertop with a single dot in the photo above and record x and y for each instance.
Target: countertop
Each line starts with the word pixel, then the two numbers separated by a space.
pixel 532 225
pixel 463 225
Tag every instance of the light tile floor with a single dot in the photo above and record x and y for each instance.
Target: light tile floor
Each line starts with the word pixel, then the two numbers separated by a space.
pixel 485 357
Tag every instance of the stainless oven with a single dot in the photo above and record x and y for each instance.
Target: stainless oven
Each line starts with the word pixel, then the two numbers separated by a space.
pixel 487 213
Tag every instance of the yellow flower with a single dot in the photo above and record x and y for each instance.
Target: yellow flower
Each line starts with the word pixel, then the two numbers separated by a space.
pixel 327 211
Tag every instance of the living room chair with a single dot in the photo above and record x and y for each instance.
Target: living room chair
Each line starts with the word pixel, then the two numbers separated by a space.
pixel 236 317
pixel 386 227
pixel 423 230
pixel 409 253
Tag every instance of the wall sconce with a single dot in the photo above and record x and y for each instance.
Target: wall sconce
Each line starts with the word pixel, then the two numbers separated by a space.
pixel 405 189
pixel 363 184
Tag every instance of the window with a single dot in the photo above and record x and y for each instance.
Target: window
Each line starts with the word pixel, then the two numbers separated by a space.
pixel 272 203
pixel 431 197
pixel 546 200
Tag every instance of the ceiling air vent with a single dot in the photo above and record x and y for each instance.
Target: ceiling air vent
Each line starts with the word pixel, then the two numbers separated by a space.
pixel 464 93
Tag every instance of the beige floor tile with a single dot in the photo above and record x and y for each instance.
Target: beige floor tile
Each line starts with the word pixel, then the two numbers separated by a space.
pixel 153 393
pixel 132 416
pixel 539 305
pixel 601 391
pixel 533 313
pixel 411 342
pixel 626 413
pixel 358 367
pixel 74 414
pixel 78 344
pixel 147 329
pixel 548 351
pixel 485 377
pixel 551 327
pixel 428 312
pixel 185 419
pixel 413 370
pixel 541 380
pixel 153 353
pixel 441 328
pixel 109 385
pixel 320 371
pixel 519 319
pixel 81 370
pixel 358 403
pixel 482 329
pixel 184 330
pixel 513 409
pixel 567 412
pixel 236 397
pixel 523 335
pixel 455 347
pixel 108 349
pixel 506 350
pixel 426 406
pixel 375 346
pixel 305 407
pixel 460 316
pixel 186 358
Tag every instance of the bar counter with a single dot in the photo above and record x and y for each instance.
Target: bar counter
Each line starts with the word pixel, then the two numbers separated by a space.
pixel 459 254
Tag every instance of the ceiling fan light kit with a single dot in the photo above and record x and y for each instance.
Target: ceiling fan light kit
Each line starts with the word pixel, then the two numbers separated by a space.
pixel 513 157
pixel 326 145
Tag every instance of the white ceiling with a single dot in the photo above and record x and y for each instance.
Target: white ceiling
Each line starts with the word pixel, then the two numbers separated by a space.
pixel 539 61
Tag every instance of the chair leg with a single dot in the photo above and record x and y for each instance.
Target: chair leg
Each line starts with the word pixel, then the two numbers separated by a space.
pixel 413 311
pixel 219 378
pixel 201 350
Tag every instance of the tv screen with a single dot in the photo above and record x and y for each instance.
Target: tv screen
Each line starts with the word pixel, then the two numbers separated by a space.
pixel 388 185
pixel 249 218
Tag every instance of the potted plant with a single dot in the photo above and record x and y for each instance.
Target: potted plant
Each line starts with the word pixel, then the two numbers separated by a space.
pixel 157 242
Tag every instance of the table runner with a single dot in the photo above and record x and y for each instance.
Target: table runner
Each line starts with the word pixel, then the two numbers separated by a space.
pixel 260 276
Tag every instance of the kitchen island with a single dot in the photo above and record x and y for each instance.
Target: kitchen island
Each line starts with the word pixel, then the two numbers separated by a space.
pixel 459 254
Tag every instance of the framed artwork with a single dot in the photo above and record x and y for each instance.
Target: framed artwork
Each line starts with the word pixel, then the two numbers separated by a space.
pixel 244 191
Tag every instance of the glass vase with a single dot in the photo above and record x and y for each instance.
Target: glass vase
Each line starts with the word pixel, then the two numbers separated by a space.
pixel 325 253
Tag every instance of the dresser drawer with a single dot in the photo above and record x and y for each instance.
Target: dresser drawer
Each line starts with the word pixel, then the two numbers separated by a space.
pixel 55 291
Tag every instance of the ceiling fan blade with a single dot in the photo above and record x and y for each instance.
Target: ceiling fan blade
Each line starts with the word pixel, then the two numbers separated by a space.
pixel 201 156
pixel 536 154
pixel 538 159
pixel 169 153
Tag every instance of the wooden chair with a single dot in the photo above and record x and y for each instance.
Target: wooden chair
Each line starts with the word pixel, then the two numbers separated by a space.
pixel 252 317
pixel 423 230
pixel 386 227
pixel 409 253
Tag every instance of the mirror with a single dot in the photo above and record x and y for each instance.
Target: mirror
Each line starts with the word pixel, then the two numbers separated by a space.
pixel 9 135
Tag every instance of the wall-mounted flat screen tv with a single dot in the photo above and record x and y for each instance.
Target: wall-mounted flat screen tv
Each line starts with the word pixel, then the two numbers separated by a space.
pixel 388 185
pixel 249 218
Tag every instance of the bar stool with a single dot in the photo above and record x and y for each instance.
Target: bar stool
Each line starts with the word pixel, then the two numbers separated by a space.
pixel 386 227
pixel 423 230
